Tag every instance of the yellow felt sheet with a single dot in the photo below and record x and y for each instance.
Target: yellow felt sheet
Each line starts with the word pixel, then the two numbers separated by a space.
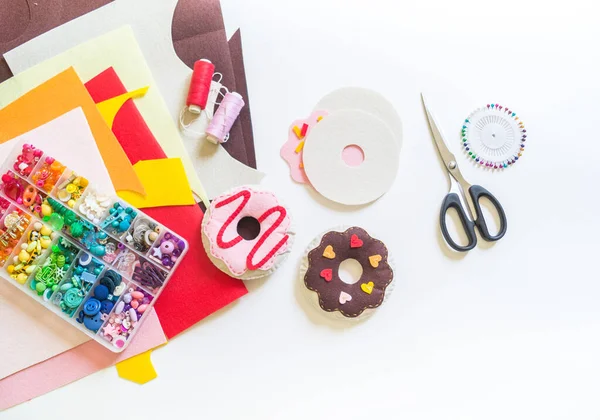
pixel 165 184
pixel 111 107
pixel 118 49
pixel 138 369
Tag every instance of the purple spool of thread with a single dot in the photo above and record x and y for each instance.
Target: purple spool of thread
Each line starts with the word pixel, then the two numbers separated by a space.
pixel 218 129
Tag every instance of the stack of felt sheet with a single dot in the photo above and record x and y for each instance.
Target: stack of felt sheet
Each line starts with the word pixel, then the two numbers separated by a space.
pixel 102 92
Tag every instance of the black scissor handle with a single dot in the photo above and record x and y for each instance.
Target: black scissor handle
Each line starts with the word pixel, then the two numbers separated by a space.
pixel 452 201
pixel 476 192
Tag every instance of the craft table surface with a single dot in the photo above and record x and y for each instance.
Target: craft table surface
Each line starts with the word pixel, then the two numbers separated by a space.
pixel 508 331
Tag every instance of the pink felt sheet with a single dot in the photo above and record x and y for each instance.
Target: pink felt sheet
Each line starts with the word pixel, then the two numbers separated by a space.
pixel 74 364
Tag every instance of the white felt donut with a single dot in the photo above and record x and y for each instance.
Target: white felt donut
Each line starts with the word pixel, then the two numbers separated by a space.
pixel 366 100
pixel 247 259
pixel 331 176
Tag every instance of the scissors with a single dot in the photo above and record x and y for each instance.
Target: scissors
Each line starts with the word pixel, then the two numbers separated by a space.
pixel 457 197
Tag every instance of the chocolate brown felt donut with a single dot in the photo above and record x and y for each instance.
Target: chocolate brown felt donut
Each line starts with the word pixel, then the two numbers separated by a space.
pixel 321 276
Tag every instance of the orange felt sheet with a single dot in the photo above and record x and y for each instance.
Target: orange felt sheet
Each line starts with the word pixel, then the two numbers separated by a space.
pixel 52 99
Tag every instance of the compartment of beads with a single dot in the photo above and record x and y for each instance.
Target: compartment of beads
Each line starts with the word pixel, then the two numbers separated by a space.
pixel 88 257
pixel 46 173
pixel 100 303
pixel 70 188
pixel 49 274
pixel 73 289
pixel 168 249
pixel 119 219
pixel 13 224
pixel 126 316
pixel 33 246
pixel 23 159
pixel 143 233
pixel 23 193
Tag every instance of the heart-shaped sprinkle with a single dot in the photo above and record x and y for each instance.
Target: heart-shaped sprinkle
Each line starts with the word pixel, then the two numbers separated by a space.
pixel 328 253
pixel 327 274
pixel 355 242
pixel 345 297
pixel 367 287
pixel 374 260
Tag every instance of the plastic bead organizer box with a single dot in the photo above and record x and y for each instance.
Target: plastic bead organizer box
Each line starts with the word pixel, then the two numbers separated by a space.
pixel 92 259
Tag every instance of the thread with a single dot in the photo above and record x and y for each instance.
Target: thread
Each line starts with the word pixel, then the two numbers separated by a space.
pixel 219 127
pixel 200 85
pixel 213 98
pixel 216 90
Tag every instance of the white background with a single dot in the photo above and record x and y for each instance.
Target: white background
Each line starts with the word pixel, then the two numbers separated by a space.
pixel 507 331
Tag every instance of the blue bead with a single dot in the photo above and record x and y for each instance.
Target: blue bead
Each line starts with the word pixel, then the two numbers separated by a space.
pixel 101 292
pixel 91 307
pixel 107 306
pixel 93 323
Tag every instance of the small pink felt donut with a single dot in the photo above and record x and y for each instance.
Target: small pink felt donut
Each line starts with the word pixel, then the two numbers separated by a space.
pixel 253 257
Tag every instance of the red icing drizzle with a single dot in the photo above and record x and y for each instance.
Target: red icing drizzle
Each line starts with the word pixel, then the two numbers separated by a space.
pixel 249 259
pixel 246 194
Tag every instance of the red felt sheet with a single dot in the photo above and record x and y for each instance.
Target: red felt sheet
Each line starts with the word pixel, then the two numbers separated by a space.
pixel 198 288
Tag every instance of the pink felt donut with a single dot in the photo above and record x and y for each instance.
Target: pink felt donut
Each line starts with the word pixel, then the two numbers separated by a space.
pixel 253 257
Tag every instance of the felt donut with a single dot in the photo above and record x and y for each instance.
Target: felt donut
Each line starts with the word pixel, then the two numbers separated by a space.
pixel 319 272
pixel 239 253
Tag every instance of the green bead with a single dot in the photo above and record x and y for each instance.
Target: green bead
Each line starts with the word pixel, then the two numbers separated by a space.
pixel 77 230
pixel 70 217
pixel 470 153
pixel 40 287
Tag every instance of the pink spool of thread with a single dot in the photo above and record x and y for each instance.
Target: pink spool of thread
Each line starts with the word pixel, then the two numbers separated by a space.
pixel 200 85
pixel 219 127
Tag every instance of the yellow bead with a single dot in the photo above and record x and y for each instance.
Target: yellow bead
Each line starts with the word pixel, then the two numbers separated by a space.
pixel 83 182
pixel 45 242
pixel 45 231
pixel 71 203
pixel 24 256
pixel 46 210
pixel 10 269
pixel 71 188
pixel 31 246
pixel 22 278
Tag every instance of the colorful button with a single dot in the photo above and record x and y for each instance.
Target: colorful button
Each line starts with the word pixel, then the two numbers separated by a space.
pixel 91 307
pixel 72 298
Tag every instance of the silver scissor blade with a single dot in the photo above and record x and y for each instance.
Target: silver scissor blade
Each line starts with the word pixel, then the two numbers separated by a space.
pixel 445 153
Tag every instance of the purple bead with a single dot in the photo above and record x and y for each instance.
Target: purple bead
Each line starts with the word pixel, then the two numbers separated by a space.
pixel 167 237
pixel 166 261
pixel 180 244
pixel 126 308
